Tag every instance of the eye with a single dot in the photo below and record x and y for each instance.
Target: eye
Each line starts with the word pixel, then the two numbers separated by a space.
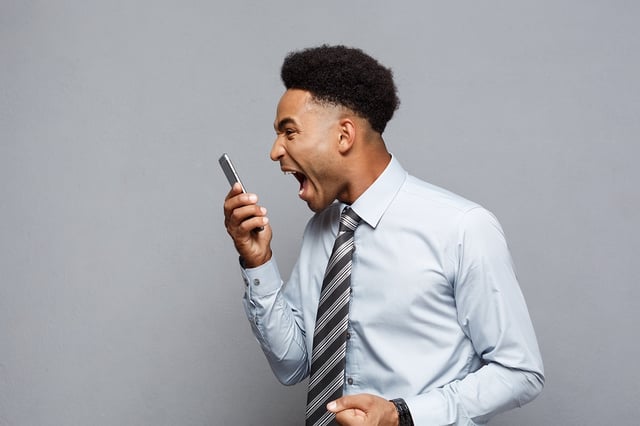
pixel 289 133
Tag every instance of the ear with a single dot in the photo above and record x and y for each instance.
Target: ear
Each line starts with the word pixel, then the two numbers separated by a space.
pixel 347 135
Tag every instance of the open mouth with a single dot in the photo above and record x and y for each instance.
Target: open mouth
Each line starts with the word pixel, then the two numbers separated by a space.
pixel 302 179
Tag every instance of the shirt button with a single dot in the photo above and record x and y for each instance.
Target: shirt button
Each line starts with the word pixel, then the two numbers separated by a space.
pixel 348 336
pixel 256 281
pixel 246 282
pixel 350 381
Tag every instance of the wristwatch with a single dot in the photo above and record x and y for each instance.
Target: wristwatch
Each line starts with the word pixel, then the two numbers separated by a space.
pixel 404 415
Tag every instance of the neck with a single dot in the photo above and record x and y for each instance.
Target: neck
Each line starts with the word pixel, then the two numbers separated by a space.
pixel 365 165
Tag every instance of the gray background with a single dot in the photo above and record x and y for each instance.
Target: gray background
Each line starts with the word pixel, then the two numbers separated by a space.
pixel 119 288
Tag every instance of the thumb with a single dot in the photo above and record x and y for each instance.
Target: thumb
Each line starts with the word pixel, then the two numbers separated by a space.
pixel 342 403
pixel 337 405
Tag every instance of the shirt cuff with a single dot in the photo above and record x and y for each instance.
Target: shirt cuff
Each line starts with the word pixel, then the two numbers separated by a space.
pixel 262 280
pixel 429 408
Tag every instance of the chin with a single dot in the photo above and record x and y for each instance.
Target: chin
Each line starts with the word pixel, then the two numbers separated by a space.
pixel 318 207
pixel 313 208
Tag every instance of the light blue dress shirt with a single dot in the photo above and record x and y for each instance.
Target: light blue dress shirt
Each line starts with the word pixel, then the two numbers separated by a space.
pixel 436 313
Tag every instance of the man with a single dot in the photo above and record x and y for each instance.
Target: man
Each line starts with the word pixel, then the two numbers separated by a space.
pixel 435 330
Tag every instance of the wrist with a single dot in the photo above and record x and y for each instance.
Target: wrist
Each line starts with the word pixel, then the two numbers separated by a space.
pixel 404 415
pixel 254 262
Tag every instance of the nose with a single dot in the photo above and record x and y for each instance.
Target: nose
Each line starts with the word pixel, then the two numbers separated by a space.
pixel 277 150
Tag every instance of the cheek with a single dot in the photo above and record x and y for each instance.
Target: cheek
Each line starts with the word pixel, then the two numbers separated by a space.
pixel 322 169
pixel 325 156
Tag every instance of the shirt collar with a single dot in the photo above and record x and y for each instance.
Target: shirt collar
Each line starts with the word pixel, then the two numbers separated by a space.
pixel 372 204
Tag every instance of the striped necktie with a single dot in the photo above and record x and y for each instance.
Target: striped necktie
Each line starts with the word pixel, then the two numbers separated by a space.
pixel 329 339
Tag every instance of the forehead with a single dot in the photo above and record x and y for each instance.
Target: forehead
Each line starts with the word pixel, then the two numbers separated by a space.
pixel 298 106
pixel 294 101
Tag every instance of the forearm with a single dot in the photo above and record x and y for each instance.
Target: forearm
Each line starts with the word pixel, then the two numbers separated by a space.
pixel 274 324
pixel 478 397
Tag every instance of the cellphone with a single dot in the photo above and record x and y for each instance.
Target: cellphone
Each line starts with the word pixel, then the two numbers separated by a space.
pixel 232 176
pixel 230 171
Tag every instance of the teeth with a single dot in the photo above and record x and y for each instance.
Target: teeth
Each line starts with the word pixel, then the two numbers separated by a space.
pixel 289 173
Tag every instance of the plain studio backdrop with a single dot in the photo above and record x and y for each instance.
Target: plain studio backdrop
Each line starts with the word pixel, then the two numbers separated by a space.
pixel 120 293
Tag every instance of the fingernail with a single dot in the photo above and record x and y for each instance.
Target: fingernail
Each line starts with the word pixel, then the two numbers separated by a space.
pixel 332 406
pixel 263 210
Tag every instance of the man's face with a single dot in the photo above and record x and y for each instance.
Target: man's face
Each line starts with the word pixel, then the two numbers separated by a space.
pixel 308 135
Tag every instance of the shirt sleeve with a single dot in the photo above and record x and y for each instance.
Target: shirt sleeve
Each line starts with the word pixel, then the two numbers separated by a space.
pixel 493 315
pixel 274 323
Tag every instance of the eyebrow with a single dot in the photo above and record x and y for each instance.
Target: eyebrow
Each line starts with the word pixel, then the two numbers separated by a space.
pixel 282 123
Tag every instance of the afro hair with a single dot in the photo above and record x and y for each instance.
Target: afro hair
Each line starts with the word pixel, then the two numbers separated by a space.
pixel 344 76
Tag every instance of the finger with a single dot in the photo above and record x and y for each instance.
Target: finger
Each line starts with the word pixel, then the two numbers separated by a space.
pixel 239 215
pixel 240 206
pixel 360 401
pixel 351 417
pixel 237 200
pixel 236 189
pixel 254 224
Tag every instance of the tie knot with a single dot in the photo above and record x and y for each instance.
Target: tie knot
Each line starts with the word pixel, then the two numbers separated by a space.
pixel 349 220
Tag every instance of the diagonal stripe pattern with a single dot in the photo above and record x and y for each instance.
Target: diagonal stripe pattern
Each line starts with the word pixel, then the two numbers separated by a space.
pixel 329 338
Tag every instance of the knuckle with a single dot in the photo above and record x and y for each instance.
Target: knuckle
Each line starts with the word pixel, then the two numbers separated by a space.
pixel 235 215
